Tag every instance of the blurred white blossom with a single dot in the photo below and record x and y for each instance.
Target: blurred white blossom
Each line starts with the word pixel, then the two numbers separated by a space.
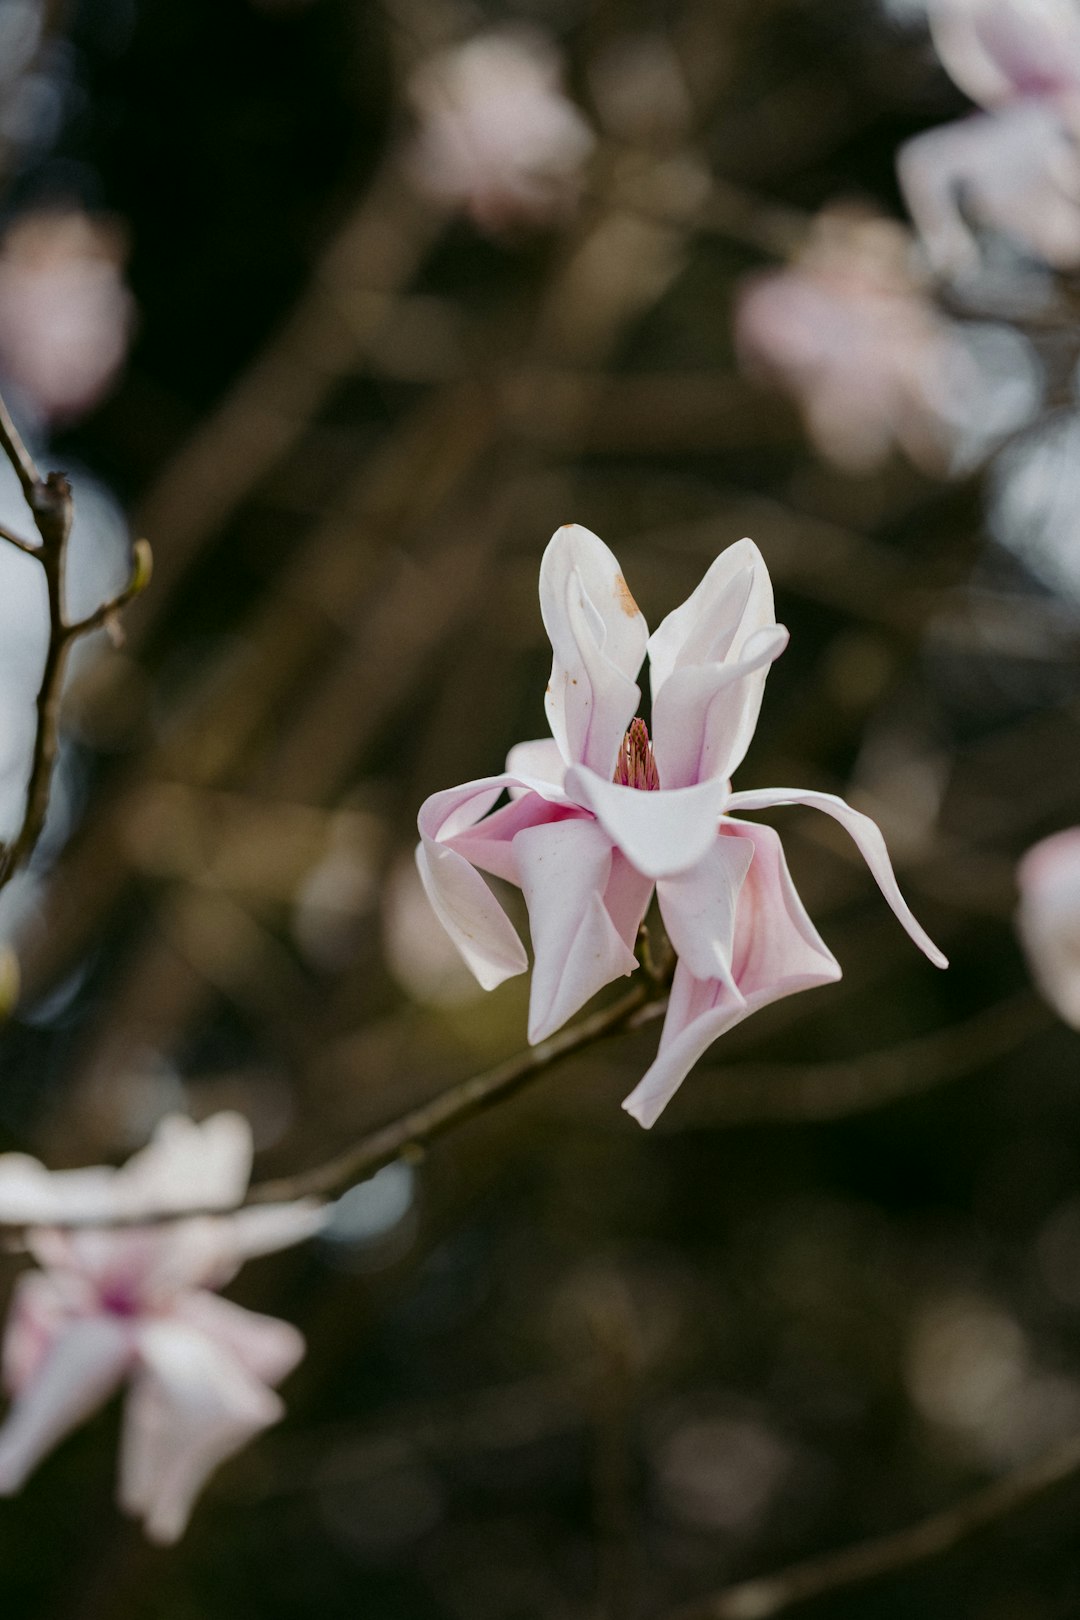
pixel 847 330
pixel 65 311
pixel 1048 919
pixel 1016 166
pixel 134 1304
pixel 497 136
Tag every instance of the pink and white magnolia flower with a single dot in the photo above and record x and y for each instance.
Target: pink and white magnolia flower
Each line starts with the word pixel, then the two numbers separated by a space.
pixel 1048 920
pixel 497 135
pixel 1015 167
pixel 134 1304
pixel 600 816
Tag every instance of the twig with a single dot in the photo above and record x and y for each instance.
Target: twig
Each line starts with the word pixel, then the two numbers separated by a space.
pixel 52 509
pixel 409 1135
pixel 769 1595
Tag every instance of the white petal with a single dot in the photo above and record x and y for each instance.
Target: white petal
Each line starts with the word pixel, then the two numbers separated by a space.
pixel 192 1405
pixel 733 600
pixel 660 833
pixel 699 908
pixel 868 839
pixel 83 1366
pixel 540 758
pixel 565 870
pixel 598 638
pixel 705 714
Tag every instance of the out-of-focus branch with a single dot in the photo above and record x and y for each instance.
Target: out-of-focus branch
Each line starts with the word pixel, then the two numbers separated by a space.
pixel 52 509
pixel 769 1595
pixel 410 1134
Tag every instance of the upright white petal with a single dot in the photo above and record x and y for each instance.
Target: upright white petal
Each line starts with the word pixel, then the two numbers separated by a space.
pixel 598 638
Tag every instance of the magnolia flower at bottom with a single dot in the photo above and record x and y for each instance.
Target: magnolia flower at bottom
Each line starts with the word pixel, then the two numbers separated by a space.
pixel 135 1305
pixel 600 816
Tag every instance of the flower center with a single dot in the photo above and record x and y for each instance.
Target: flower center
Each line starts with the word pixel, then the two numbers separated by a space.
pixel 119 1299
pixel 636 767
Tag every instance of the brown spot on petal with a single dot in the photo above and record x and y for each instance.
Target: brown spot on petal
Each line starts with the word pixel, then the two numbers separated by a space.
pixel 624 598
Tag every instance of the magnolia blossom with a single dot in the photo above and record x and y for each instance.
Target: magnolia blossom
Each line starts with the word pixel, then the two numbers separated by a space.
pixel 65 311
pixel 600 816
pixel 134 1304
pixel 1015 167
pixel 847 331
pixel 1048 920
pixel 497 136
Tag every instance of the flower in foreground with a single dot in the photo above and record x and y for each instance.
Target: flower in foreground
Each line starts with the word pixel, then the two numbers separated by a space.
pixel 1016 166
pixel 1048 920
pixel 600 816
pixel 497 135
pixel 134 1304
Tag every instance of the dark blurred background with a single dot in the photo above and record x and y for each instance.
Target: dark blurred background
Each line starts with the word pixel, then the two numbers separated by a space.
pixel 562 1367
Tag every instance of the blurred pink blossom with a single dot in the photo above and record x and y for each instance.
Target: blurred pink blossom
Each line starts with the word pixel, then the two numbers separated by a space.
pixel 1048 920
pixel 1016 167
pixel 846 330
pixel 65 311
pixel 600 816
pixel 134 1305
pixel 497 136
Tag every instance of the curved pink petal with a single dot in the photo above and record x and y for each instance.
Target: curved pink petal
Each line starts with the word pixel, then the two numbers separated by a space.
pixel 565 869
pixel 777 952
pixel 705 714
pixel 266 1346
pixel 871 845
pixel 598 638
pixel 192 1405
pixel 460 898
pixel 659 833
pixel 84 1364
pixel 699 908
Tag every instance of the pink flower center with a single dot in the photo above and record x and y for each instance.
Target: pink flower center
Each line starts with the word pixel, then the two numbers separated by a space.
pixel 119 1299
pixel 636 767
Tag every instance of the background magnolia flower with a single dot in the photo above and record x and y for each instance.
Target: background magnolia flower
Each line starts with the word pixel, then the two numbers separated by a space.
pixel 600 817
pixel 497 135
pixel 1016 167
pixel 1048 919
pixel 65 311
pixel 848 332
pixel 134 1304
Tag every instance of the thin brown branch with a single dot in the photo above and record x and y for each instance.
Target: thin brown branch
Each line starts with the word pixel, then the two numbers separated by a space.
pixel 769 1595
pixel 51 505
pixel 18 542
pixel 412 1132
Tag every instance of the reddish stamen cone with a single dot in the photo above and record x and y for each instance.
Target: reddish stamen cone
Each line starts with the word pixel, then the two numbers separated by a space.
pixel 636 767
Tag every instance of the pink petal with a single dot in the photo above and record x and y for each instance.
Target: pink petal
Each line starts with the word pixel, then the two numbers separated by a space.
pixel 85 1364
pixel 192 1405
pixel 997 49
pixel 564 870
pixel 598 638
pixel 699 908
pixel 733 600
pixel 540 758
pixel 705 714
pixel 659 833
pixel 460 898
pixel 867 837
pixel 777 952
pixel 266 1346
